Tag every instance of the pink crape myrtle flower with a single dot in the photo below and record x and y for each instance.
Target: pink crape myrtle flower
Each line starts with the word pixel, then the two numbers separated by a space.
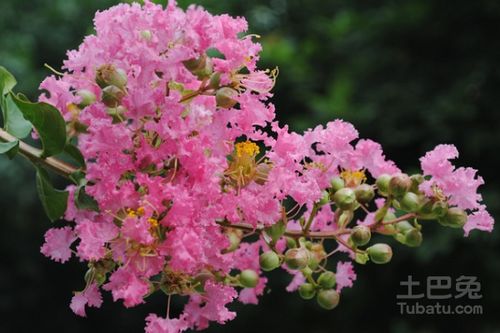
pixel 189 179
pixel 459 185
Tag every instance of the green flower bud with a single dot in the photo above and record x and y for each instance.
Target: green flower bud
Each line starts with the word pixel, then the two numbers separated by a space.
pixel 337 183
pixel 399 185
pixel 214 82
pixel 100 278
pixel 109 75
pixel 416 180
pixel 380 253
pixel 325 198
pixel 364 193
pixel 112 96
pixel 413 237
pixel 269 260
pixel 345 198
pixel 249 278
pixel 403 226
pixel 297 258
pixel 382 183
pixel 202 67
pixel 328 299
pixel 307 291
pixel 327 280
pixel 454 218
pixel 87 96
pixel 439 208
pixel 146 34
pixel 313 262
pixel 291 243
pixel 234 241
pixel 225 97
pixel 426 208
pixel 360 235
pixel 306 271
pixel 410 202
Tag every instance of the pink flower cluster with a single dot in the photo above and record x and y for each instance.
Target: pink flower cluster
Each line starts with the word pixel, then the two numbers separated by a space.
pixel 173 120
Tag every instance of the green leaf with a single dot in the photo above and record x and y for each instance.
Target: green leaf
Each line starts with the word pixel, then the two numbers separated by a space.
pixel 85 201
pixel 54 201
pixel 7 82
pixel 75 154
pixel 48 122
pixel 13 119
pixel 9 148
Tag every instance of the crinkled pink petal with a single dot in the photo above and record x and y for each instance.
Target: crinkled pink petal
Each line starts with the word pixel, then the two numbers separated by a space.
pixel 57 244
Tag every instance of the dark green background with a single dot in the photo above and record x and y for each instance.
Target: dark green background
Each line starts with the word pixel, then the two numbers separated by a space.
pixel 409 74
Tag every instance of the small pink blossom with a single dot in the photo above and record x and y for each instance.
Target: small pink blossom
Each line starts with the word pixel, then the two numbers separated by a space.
pixel 57 244
pixel 91 296
pixel 345 275
pixel 480 220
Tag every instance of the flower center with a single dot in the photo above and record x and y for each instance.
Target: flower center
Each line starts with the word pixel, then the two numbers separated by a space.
pixel 353 178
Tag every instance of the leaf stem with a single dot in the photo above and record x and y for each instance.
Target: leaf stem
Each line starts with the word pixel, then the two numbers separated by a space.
pixel 35 156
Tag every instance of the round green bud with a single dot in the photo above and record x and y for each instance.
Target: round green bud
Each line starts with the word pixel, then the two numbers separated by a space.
pixel 413 237
pixel 112 96
pixel 249 278
pixel 345 198
pixel 328 298
pixel 194 64
pixel 307 291
pixel 454 218
pixel 297 258
pixel 146 34
pixel 214 82
pixel 225 97
pixel 87 96
pixel 403 226
pixel 269 260
pixel 382 183
pixel 327 280
pixel 325 198
pixel 360 235
pixel 380 253
pixel 410 202
pixel 313 262
pixel 439 208
pixel 399 185
pixel 364 193
pixel 337 183
pixel 306 271
pixel 416 180
pixel 109 75
pixel 234 241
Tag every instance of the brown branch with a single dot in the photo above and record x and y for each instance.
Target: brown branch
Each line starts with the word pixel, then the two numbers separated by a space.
pixel 35 155
pixel 289 233
pixel 401 218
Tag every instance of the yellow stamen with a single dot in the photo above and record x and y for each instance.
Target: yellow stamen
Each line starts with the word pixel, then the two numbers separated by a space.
pixel 353 177
pixel 141 211
pixel 153 222
pixel 247 148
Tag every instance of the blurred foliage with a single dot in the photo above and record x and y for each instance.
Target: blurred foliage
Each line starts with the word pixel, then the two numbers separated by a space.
pixel 409 74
